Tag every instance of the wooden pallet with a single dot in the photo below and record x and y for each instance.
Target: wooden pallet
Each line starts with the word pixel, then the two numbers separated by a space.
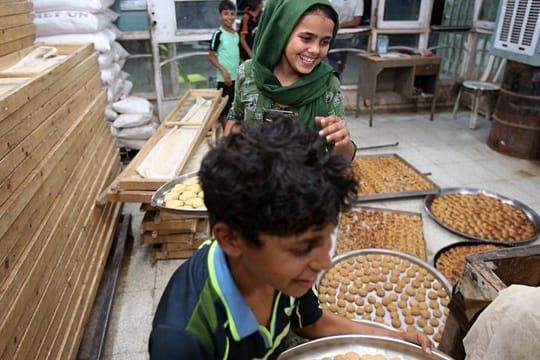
pixel 175 236
pixel 129 186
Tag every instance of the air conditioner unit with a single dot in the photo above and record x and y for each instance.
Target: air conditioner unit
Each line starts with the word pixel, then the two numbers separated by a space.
pixel 517 34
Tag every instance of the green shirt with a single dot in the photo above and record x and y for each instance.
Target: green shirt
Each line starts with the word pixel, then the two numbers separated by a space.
pixel 249 104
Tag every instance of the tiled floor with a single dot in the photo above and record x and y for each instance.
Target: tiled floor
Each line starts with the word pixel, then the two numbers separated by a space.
pixel 445 148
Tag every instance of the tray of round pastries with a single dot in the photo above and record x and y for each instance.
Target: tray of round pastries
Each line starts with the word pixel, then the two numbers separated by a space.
pixel 389 176
pixel 368 227
pixel 450 260
pixel 181 195
pixel 387 287
pixel 359 347
pixel 484 216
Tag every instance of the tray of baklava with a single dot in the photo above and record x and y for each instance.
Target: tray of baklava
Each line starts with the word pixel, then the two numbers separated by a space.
pixel 389 176
pixel 451 259
pixel 483 216
pixel 369 227
pixel 387 287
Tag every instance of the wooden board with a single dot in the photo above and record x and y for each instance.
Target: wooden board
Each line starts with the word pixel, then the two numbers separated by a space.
pixel 130 179
pixel 14 7
pixel 17 164
pixel 129 186
pixel 12 101
pixel 55 240
pixel 16 45
pixel 17 32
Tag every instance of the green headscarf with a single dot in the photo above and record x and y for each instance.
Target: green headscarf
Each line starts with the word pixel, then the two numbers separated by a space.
pixel 279 19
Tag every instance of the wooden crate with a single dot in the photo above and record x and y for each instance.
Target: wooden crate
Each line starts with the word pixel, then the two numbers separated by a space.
pixel 484 276
pixel 174 236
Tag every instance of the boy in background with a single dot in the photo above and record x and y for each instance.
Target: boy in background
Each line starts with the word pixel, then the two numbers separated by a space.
pixel 224 53
pixel 248 26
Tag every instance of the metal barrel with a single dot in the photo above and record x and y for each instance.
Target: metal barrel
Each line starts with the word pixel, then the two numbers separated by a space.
pixel 516 121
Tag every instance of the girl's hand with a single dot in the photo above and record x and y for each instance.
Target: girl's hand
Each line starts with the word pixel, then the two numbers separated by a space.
pixel 335 131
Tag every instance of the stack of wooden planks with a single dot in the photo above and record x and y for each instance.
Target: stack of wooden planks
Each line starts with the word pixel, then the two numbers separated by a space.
pixel 17 30
pixel 56 157
pixel 175 236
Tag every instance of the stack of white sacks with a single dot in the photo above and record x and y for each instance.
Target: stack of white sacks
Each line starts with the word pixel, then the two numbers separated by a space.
pixel 132 121
pixel 90 21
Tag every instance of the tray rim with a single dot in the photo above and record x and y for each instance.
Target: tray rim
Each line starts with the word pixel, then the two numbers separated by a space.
pixel 529 213
pixel 372 208
pixel 445 282
pixel 158 195
pixel 397 195
pixel 357 339
pixel 461 243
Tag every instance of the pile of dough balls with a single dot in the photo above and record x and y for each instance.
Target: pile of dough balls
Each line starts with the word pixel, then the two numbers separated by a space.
pixel 186 195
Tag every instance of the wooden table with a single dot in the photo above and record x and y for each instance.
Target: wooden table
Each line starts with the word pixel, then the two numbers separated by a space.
pixel 397 74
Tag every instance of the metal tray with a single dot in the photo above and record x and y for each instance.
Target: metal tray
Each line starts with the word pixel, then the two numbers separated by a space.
pixel 403 194
pixel 421 253
pixel 412 260
pixel 530 213
pixel 442 250
pixel 362 345
pixel 158 198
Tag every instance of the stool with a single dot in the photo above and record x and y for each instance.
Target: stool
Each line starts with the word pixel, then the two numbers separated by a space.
pixel 479 88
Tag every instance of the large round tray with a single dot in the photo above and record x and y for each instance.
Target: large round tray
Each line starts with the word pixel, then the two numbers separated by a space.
pixel 362 345
pixel 158 198
pixel 529 213
pixel 403 256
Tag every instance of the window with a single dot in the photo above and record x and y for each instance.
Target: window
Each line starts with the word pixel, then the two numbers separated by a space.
pixel 196 15
pixel 402 14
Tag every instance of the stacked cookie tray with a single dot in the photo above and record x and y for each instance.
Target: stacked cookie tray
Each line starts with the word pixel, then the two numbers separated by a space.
pixel 389 176
pixel 387 287
pixel 368 227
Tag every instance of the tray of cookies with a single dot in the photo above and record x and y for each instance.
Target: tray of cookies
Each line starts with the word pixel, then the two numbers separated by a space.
pixel 483 216
pixel 181 195
pixel 389 176
pixel 359 347
pixel 368 227
pixel 450 260
pixel 387 287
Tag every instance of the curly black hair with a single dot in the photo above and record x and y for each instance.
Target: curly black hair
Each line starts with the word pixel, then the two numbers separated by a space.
pixel 276 178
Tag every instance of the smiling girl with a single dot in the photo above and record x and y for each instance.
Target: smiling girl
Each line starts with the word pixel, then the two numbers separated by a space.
pixel 287 72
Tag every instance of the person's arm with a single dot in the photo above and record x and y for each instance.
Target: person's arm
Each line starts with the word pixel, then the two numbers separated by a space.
pixel 336 132
pixel 212 56
pixel 354 22
pixel 245 45
pixel 330 324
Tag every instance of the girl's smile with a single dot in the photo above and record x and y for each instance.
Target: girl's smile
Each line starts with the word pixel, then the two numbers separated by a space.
pixel 307 46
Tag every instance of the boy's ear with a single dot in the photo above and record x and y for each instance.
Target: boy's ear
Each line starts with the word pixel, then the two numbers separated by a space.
pixel 228 239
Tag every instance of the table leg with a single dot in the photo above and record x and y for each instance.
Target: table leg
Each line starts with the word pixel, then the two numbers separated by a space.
pixel 371 112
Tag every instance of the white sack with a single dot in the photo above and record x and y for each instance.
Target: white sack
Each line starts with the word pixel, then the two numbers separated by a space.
pixel 131 120
pixel 101 40
pixel 131 144
pixel 119 51
pixel 105 59
pixel 133 105
pixel 110 114
pixel 125 89
pixel 142 132
pixel 109 74
pixel 69 21
pixel 508 328
pixel 85 5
